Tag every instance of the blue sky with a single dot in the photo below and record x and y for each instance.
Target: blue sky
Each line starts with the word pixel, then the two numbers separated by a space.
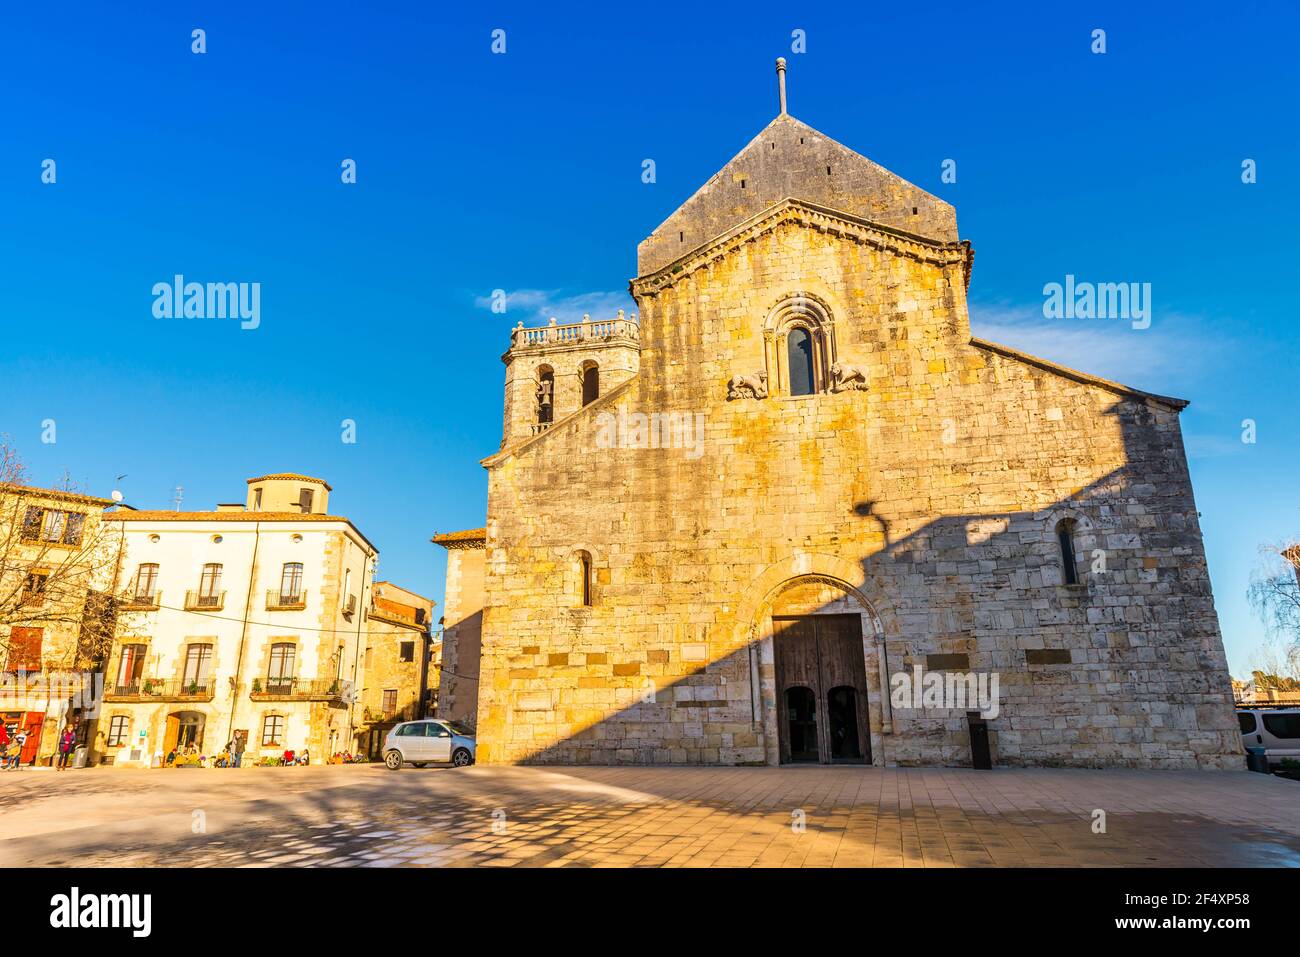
pixel 522 172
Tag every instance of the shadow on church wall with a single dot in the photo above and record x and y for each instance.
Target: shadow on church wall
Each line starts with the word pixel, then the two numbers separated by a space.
pixel 1146 684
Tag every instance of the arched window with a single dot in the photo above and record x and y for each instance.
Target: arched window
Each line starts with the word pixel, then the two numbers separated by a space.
pixel 799 346
pixel 590 375
pixel 585 590
pixel 799 353
pixel 1069 562
pixel 545 395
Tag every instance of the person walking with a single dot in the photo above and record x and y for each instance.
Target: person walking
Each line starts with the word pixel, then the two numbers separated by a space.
pixel 237 750
pixel 4 745
pixel 20 742
pixel 67 742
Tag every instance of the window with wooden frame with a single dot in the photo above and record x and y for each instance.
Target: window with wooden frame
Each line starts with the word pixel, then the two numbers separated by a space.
pixel 130 668
pixel 53 526
pixel 291 583
pixel 390 700
pixel 119 727
pixel 407 651
pixel 146 582
pixel 279 674
pixel 198 668
pixel 273 731
pixel 210 584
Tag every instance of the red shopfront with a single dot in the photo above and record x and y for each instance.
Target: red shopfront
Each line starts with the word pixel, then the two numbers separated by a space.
pixel 32 722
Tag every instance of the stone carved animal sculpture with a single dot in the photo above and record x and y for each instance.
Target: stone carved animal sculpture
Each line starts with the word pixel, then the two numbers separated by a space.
pixel 846 378
pixel 747 386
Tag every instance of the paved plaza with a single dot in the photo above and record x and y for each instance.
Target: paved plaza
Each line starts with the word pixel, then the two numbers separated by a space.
pixel 365 815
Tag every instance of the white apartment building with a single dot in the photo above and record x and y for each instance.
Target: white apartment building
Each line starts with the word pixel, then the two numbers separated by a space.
pixel 250 619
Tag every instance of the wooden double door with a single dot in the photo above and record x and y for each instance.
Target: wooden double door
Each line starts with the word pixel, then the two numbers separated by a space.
pixel 821 689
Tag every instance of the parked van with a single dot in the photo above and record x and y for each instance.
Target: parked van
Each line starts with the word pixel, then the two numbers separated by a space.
pixel 1277 730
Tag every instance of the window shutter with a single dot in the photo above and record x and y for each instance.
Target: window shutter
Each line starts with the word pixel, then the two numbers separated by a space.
pixel 25 649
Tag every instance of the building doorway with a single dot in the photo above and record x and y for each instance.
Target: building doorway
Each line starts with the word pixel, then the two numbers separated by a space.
pixel 821 682
pixel 31 722
pixel 184 728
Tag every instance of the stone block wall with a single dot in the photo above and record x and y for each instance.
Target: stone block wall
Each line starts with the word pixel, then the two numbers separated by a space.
pixel 933 495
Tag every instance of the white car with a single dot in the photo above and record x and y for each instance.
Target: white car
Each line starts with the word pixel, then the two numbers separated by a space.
pixel 431 741
pixel 1276 730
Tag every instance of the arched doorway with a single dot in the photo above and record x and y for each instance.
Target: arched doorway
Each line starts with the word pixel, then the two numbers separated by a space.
pixel 809 587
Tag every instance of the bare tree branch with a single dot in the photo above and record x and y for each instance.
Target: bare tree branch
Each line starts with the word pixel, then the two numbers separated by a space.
pixel 1274 594
pixel 59 565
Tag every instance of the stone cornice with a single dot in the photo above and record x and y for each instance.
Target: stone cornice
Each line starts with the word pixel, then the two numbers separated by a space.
pixel 821 218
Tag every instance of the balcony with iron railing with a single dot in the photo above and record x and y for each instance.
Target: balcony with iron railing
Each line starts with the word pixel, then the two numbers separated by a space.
pixel 150 601
pixel 158 689
pixel 277 600
pixel 198 601
pixel 297 689
pixel 576 333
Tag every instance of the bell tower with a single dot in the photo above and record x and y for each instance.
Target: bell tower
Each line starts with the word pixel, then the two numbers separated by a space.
pixel 552 371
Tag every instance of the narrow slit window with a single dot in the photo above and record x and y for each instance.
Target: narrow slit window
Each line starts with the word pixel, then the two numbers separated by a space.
pixel 1069 564
pixel 584 575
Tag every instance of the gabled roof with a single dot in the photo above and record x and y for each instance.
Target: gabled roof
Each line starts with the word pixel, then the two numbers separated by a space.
pixel 790 159
pixel 821 218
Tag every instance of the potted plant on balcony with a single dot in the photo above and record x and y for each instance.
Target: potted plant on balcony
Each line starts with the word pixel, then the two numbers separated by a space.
pixel 257 686
pixel 148 686
pixel 193 689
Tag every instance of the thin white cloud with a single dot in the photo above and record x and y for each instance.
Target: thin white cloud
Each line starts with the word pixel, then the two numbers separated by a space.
pixel 1164 358
pixel 538 306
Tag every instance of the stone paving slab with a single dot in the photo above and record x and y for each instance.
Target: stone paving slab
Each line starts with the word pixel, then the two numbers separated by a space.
pixel 367 816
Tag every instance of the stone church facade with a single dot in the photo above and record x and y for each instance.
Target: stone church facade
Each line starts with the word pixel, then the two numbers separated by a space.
pixel 871 490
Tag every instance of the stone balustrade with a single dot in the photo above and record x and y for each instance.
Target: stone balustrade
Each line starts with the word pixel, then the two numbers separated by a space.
pixel 620 327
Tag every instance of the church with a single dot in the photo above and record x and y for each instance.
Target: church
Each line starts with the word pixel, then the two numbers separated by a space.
pixel 729 529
